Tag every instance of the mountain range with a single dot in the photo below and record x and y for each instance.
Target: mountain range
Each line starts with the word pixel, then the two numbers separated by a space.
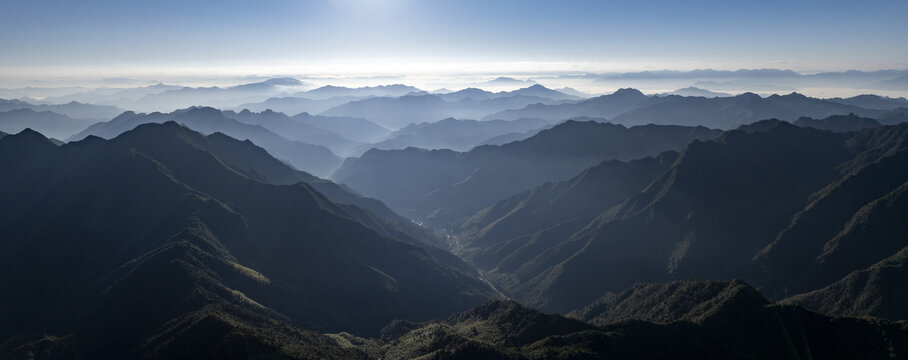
pixel 152 243
pixel 458 135
pixel 630 107
pixel 396 113
pixel 72 109
pixel 740 205
pixel 444 186
pixel 50 123
pixel 678 320
pixel 315 159
pixel 610 227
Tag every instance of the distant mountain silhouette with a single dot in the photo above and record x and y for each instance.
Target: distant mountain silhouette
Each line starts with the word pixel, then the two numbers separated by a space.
pixel 508 81
pixel 630 107
pixel 296 105
pixel 151 244
pixel 533 91
pixel 119 97
pixel 606 106
pixel 314 159
pixel 45 122
pixel 226 97
pixel 443 186
pixel 72 109
pixel 330 91
pixel 695 91
pixel 876 102
pixel 356 129
pixel 731 112
pixel 838 123
pixel 450 133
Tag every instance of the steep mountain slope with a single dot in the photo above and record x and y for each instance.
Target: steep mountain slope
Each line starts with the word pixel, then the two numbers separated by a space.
pixel 152 230
pixel 741 205
pixel 848 224
pixel 508 234
pixel 663 303
pixel 443 186
pixel 838 123
pixel 46 122
pixel 879 290
pixel 314 159
pixel 282 124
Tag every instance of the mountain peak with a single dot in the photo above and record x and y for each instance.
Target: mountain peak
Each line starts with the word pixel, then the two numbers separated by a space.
pixel 627 92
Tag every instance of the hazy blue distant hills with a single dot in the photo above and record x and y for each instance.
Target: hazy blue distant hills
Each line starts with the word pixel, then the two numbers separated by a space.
pixel 396 113
pixel 326 97
pixel 606 106
pixel 279 123
pixel 631 107
pixel 442 186
pixel 149 244
pixel 226 97
pixel 314 159
pixel 330 91
pixel 297 105
pixel 50 123
pixel 695 91
pixel 458 135
pixel 533 91
pixel 838 123
pixel 356 129
pixel 731 112
pixel 468 93
pixel 508 81
pixel 72 109
pixel 893 117
pixel 543 92
pixel 737 206
pixel 120 97
pixel 876 102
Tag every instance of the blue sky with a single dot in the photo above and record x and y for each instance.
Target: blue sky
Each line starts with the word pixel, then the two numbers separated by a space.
pixel 123 37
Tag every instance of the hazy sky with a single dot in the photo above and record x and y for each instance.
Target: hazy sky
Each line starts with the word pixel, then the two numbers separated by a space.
pixel 42 38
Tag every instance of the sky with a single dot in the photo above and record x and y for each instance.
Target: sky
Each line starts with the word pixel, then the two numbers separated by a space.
pixel 56 39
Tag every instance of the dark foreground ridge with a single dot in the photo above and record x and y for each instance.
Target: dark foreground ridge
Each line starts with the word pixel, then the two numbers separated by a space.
pixel 152 245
